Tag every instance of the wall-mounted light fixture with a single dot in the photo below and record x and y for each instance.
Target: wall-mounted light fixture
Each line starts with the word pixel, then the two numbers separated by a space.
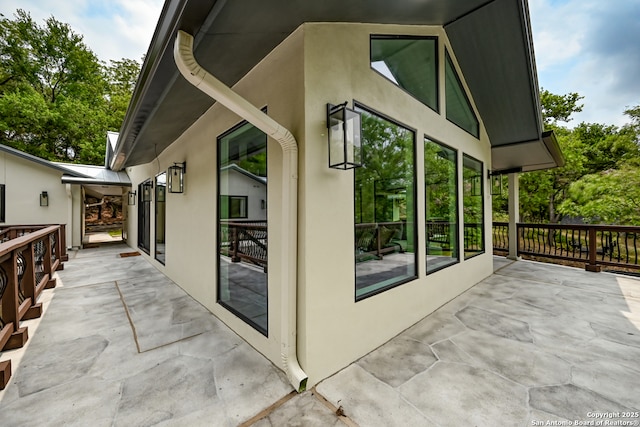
pixel 496 184
pixel 44 199
pixel 345 137
pixel 147 189
pixel 175 177
pixel 132 198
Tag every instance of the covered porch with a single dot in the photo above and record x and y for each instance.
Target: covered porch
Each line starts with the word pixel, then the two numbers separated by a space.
pixel 120 344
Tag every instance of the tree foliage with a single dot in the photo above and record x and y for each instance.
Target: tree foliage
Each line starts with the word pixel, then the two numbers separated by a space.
pixel 57 100
pixel 600 181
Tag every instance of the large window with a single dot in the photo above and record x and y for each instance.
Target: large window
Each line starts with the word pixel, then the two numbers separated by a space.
pixel 441 213
pixel 145 190
pixel 2 204
pixel 385 236
pixel 409 62
pixel 161 194
pixel 242 224
pixel 459 109
pixel 473 192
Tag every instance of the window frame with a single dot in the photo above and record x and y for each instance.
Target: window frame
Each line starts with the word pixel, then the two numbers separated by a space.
pixel 3 209
pixel 245 201
pixel 449 61
pixel 482 204
pixel 457 206
pixel 236 312
pixel 157 201
pixel 416 274
pixel 436 63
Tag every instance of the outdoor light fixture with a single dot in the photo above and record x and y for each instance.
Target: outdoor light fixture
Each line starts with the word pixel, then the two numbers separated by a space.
pixel 175 178
pixel 132 198
pixel 345 137
pixel 44 199
pixel 496 184
pixel 146 191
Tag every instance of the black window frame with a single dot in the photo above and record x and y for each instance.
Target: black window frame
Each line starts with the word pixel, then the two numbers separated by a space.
pixel 449 60
pixel 436 64
pixel 416 274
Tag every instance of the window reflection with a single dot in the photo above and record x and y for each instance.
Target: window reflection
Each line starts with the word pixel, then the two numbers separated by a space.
pixel 242 224
pixel 161 191
pixel 473 192
pixel 409 62
pixel 384 206
pixel 441 196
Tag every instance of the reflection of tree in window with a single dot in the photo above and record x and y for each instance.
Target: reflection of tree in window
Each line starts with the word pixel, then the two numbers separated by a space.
pixel 384 206
pixel 441 205
pixel 473 207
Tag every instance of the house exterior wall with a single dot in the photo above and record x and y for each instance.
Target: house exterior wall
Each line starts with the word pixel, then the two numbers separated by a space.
pixel 333 329
pixel 191 235
pixel 318 64
pixel 24 180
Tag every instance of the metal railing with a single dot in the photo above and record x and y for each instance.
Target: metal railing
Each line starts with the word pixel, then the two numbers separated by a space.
pixel 245 241
pixel 28 258
pixel 595 245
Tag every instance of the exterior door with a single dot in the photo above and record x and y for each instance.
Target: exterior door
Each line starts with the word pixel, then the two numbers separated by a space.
pixel 144 215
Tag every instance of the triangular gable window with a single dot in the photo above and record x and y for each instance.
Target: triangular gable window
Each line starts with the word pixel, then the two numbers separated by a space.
pixel 459 109
pixel 409 62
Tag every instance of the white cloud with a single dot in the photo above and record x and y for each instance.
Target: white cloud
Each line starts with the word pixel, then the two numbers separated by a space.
pixel 113 29
pixel 589 47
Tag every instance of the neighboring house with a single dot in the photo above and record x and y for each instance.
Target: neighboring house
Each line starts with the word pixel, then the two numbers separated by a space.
pixel 246 195
pixel 37 191
pixel 446 91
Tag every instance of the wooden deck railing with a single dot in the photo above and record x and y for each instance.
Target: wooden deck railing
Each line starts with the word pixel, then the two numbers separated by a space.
pixel 28 258
pixel 245 241
pixel 595 245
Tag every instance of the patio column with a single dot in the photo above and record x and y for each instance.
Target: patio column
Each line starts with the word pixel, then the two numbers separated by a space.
pixel 514 215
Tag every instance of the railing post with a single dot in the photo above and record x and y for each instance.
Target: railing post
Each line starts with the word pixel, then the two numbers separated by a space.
pixel 592 266
pixel 62 245
pixel 236 244
pixel 10 304
pixel 29 283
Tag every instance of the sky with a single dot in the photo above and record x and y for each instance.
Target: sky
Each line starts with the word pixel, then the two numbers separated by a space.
pixel 591 47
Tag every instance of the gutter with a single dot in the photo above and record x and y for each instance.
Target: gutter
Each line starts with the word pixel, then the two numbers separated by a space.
pixel 201 79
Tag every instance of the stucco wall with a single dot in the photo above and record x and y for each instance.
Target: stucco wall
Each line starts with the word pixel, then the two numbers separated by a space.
pixel 24 181
pixel 191 258
pixel 335 330
pixel 316 65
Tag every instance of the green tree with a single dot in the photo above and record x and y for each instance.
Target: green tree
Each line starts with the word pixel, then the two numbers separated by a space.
pixel 57 100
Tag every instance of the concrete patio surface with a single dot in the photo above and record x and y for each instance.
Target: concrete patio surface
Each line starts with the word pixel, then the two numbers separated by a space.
pixel 119 344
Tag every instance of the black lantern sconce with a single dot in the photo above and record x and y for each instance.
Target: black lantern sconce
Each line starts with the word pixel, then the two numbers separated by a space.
pixel 496 184
pixel 44 199
pixel 147 189
pixel 175 177
pixel 345 137
pixel 131 198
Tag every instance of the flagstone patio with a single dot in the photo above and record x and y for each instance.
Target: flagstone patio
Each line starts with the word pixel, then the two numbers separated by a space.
pixel 119 344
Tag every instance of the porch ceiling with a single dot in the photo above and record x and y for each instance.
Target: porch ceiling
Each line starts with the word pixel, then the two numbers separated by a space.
pixel 490 38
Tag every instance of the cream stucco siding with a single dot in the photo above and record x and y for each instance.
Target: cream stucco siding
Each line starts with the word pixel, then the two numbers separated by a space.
pixel 191 236
pixel 24 181
pixel 335 330
pixel 316 65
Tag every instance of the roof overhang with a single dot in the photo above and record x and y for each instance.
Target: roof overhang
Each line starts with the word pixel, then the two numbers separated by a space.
pixel 491 40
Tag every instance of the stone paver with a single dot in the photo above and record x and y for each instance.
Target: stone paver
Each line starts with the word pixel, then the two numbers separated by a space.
pixel 530 344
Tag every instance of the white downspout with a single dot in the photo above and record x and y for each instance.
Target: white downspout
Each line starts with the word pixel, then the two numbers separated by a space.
pixel 197 76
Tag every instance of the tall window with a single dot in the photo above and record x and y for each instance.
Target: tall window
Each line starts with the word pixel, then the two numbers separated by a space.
pixel 459 109
pixel 385 220
pixel 242 224
pixel 473 207
pixel 2 204
pixel 145 190
pixel 441 195
pixel 410 62
pixel 161 191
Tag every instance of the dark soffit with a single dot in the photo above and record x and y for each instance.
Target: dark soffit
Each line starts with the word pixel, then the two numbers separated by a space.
pixel 490 39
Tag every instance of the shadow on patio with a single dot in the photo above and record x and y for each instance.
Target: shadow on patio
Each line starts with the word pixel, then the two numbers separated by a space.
pixel 120 344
